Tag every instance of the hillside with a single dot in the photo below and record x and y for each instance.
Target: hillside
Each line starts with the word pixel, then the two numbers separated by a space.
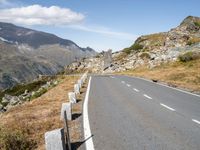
pixel 156 48
pixel 26 53
pixel 24 126
pixel 178 50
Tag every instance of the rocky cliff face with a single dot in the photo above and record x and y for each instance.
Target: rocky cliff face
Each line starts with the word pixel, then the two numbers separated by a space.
pixel 26 53
pixel 151 50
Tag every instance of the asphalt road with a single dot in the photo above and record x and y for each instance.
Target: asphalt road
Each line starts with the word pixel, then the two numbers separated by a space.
pixel 133 114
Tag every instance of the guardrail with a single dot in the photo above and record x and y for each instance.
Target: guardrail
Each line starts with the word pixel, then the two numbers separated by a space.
pixel 59 139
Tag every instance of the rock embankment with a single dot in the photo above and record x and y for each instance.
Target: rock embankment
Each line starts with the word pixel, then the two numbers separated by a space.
pixel 9 101
pixel 149 50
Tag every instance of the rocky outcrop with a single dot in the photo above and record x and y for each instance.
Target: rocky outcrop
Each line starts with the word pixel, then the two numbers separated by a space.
pixel 151 50
pixel 9 101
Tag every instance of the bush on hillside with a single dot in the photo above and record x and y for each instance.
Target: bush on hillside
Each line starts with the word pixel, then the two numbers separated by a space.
pixel 127 50
pixel 188 56
pixel 145 56
pixel 134 47
pixel 197 24
pixel 15 140
pixel 193 40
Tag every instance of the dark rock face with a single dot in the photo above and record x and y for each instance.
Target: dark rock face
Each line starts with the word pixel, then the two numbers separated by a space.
pixel 26 53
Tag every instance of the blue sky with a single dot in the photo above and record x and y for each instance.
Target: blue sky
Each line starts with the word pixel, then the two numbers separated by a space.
pixel 104 24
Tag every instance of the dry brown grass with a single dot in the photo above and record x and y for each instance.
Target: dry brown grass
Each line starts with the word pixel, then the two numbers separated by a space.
pixel 40 115
pixel 184 75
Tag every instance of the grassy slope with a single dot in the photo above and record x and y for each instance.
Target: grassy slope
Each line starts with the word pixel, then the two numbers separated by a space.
pixel 184 75
pixel 40 115
pixel 19 89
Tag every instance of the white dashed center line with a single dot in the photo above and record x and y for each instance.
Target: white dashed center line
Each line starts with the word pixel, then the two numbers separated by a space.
pixel 196 121
pixel 172 109
pixel 136 90
pixel 128 85
pixel 147 96
pixel 123 82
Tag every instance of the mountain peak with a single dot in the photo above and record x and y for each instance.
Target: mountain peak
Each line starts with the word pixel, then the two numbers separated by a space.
pixel 191 20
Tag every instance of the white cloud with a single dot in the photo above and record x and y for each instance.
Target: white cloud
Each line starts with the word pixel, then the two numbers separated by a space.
pixel 106 31
pixel 39 15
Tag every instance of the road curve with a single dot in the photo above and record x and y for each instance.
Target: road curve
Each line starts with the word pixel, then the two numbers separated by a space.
pixel 133 114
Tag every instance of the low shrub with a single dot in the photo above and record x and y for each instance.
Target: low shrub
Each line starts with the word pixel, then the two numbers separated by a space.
pixel 145 55
pixel 197 24
pixel 188 56
pixel 15 140
pixel 127 50
pixel 38 94
pixel 190 42
pixel 134 47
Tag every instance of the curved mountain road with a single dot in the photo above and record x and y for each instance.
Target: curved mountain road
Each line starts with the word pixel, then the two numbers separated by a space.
pixel 128 113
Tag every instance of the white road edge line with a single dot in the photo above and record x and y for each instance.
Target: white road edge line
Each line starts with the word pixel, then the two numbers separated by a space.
pixel 147 96
pixel 136 90
pixel 86 125
pixel 172 109
pixel 196 121
pixel 128 85
pixel 165 86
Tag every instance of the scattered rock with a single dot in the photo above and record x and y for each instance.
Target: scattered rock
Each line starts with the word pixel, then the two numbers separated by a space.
pixel 4 101
pixel 9 101
pixel 1 108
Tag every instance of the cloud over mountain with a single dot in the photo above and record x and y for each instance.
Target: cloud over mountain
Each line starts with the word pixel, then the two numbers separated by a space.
pixel 39 15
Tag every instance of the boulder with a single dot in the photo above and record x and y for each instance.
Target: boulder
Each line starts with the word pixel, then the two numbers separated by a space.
pixel 15 100
pixel 5 101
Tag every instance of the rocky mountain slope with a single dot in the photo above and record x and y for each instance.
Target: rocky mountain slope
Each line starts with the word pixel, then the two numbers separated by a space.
pixel 26 53
pixel 151 50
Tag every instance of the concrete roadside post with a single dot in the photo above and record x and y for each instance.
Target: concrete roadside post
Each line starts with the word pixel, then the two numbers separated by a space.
pixel 76 89
pixel 55 140
pixel 72 97
pixel 68 108
pixel 80 83
pixel 83 77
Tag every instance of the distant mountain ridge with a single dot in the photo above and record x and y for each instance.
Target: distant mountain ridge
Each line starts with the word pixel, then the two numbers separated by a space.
pixel 33 38
pixel 26 53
